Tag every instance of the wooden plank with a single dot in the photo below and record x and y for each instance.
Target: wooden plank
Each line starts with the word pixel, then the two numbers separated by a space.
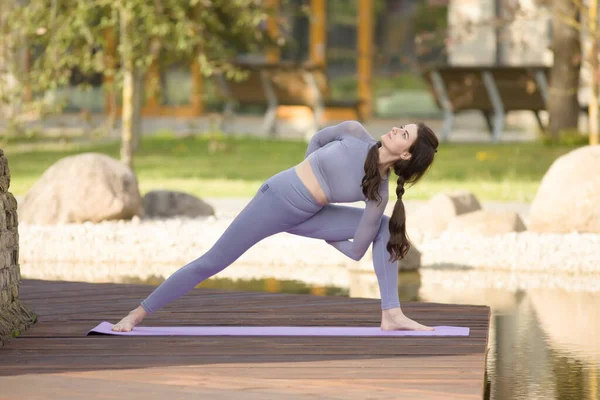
pixel 52 359
pixel 250 345
pixel 387 380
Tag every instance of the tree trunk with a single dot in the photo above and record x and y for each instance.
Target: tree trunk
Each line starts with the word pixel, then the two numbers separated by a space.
pixel 112 115
pixel 12 57
pixel 137 108
pixel 109 77
pixel 128 89
pixel 563 104
pixel 595 70
pixel 127 117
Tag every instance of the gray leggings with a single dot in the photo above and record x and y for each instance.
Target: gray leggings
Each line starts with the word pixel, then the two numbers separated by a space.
pixel 282 204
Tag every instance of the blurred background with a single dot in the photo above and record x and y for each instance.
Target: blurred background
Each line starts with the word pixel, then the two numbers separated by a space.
pixel 134 132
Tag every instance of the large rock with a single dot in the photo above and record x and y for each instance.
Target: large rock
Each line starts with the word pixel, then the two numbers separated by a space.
pixel 87 187
pixel 434 216
pixel 489 223
pixel 412 261
pixel 167 204
pixel 568 198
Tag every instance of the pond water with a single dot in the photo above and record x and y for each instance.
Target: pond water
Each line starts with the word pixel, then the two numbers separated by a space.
pixel 544 342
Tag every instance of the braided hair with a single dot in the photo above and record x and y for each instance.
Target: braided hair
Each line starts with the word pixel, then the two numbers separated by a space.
pixel 409 172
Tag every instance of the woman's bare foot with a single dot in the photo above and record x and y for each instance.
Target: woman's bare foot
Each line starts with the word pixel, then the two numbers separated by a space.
pixel 131 320
pixel 395 320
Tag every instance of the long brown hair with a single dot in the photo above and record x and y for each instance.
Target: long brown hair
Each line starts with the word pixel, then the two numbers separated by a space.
pixel 408 172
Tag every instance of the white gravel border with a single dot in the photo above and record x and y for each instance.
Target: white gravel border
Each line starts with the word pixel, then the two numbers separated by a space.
pixel 115 251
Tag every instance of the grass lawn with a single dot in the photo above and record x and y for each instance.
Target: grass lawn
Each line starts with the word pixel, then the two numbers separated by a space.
pixel 504 172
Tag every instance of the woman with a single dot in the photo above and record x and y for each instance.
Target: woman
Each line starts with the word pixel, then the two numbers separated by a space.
pixel 343 163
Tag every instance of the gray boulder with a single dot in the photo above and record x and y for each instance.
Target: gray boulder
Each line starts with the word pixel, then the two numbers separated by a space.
pixel 487 223
pixel 412 261
pixel 168 204
pixel 434 216
pixel 86 187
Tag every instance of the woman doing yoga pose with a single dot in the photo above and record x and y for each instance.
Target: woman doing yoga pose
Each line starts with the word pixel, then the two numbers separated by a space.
pixel 343 163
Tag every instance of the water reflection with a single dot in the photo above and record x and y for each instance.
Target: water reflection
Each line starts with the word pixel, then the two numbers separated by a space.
pixel 253 285
pixel 544 343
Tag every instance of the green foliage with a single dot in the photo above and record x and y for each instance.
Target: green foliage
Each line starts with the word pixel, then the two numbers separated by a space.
pixel 65 37
pixel 431 31
pixel 430 18
pixel 74 34
pixel 568 137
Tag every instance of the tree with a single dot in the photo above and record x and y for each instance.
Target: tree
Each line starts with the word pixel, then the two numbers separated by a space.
pixel 572 18
pixel 77 34
pixel 15 101
pixel 563 101
pixel 594 105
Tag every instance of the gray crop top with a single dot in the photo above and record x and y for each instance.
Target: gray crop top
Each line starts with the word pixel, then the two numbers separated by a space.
pixel 337 155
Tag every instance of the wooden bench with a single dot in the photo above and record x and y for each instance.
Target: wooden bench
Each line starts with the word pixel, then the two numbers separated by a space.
pixel 281 84
pixel 492 90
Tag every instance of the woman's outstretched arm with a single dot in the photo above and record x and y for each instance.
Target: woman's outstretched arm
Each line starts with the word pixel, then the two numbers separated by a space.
pixel 334 132
pixel 367 227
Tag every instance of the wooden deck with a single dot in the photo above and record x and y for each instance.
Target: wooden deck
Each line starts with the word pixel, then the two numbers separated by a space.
pixel 55 360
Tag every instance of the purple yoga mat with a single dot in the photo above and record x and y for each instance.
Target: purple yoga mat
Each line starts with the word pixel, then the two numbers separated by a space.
pixel 106 329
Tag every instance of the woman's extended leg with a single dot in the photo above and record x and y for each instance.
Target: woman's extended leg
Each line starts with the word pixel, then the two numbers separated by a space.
pixel 334 223
pixel 267 214
pixel 259 219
